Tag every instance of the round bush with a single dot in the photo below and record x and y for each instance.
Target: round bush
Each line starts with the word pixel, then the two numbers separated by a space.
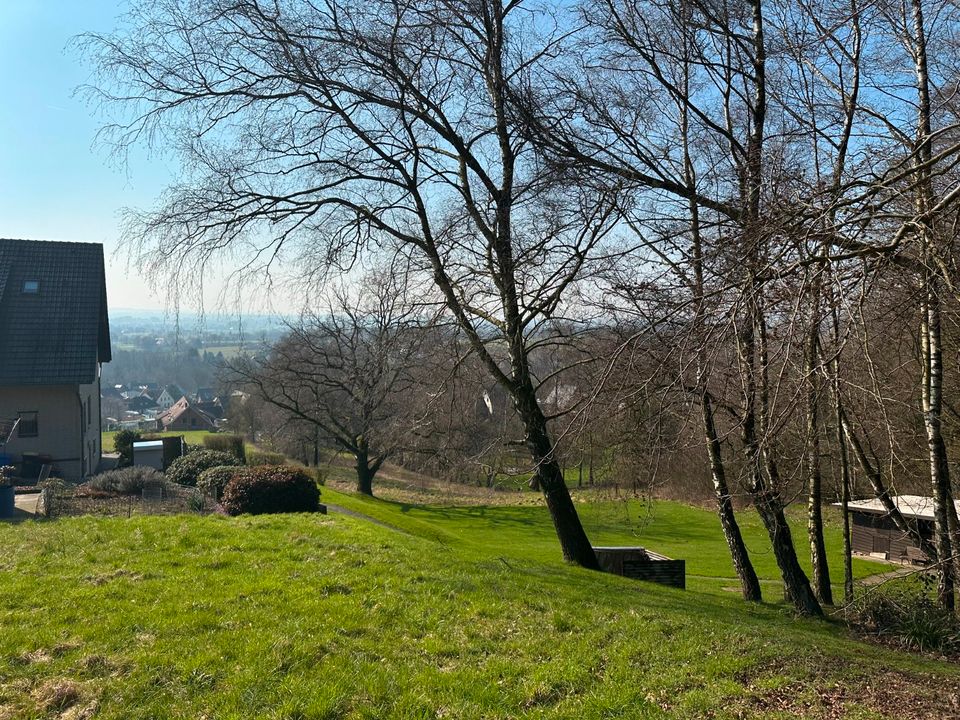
pixel 213 480
pixel 186 470
pixel 271 489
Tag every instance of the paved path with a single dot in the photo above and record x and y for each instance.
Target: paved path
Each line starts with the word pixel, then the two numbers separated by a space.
pixel 361 516
pixel 898 571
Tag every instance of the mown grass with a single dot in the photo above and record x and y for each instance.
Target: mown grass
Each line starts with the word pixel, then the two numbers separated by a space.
pixel 670 528
pixel 301 617
pixel 191 437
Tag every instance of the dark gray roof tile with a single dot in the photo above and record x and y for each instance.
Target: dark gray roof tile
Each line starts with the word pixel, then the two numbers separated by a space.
pixel 58 334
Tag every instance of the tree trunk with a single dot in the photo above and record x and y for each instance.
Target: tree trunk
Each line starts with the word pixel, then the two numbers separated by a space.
pixel 930 330
pixel 818 550
pixel 939 469
pixel 574 543
pixel 764 475
pixel 795 582
pixel 844 486
pixel 365 472
pixel 749 584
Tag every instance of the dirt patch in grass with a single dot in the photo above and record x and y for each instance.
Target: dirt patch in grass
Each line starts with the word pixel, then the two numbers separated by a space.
pixel 45 655
pixel 406 486
pixel 57 695
pixel 103 578
pixel 893 694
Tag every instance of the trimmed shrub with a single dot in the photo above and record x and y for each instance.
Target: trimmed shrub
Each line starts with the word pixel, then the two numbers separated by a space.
pixel 262 457
pixel 124 481
pixel 123 443
pixel 271 489
pixel 186 470
pixel 211 482
pixel 232 444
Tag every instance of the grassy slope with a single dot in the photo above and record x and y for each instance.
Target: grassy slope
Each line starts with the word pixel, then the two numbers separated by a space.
pixel 332 617
pixel 671 528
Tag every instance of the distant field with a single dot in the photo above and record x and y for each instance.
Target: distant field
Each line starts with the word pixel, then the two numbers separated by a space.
pixel 192 437
pixel 228 351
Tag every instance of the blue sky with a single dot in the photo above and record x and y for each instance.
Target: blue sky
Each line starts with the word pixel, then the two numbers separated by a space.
pixel 54 184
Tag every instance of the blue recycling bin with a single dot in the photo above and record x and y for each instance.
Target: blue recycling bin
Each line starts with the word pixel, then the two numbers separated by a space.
pixel 7 504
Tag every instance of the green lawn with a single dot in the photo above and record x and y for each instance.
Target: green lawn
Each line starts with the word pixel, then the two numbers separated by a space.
pixel 332 617
pixel 468 613
pixel 673 529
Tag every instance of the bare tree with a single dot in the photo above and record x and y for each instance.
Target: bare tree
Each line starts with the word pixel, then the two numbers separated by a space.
pixel 707 61
pixel 319 130
pixel 350 372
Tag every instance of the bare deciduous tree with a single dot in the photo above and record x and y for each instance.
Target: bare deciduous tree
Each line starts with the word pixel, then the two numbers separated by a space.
pixel 349 372
pixel 319 130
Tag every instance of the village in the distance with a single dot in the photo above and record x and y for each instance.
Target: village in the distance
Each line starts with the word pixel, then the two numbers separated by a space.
pixel 167 372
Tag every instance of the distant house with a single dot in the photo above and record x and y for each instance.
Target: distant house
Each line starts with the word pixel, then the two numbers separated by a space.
pixel 111 393
pixel 873 532
pixel 140 403
pixel 54 336
pixel 184 416
pixel 204 395
pixel 213 409
pixel 169 395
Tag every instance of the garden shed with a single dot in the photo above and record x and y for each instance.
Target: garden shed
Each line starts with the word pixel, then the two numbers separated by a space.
pixel 642 564
pixel 158 452
pixel 148 453
pixel 873 532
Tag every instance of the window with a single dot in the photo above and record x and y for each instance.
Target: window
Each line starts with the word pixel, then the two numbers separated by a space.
pixel 89 416
pixel 28 427
pixel 31 287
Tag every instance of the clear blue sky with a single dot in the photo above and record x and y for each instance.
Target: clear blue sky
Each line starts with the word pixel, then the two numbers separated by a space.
pixel 54 184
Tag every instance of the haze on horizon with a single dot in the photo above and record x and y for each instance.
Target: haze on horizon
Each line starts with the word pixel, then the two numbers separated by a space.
pixel 55 182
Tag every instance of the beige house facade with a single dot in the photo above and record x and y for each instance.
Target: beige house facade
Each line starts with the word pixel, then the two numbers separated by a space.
pixel 58 424
pixel 54 337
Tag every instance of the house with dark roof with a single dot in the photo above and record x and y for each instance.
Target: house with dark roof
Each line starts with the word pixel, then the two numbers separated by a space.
pixel 204 395
pixel 54 337
pixel 141 403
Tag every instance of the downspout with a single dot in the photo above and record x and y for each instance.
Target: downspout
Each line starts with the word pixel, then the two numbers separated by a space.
pixel 83 438
pixel 99 434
